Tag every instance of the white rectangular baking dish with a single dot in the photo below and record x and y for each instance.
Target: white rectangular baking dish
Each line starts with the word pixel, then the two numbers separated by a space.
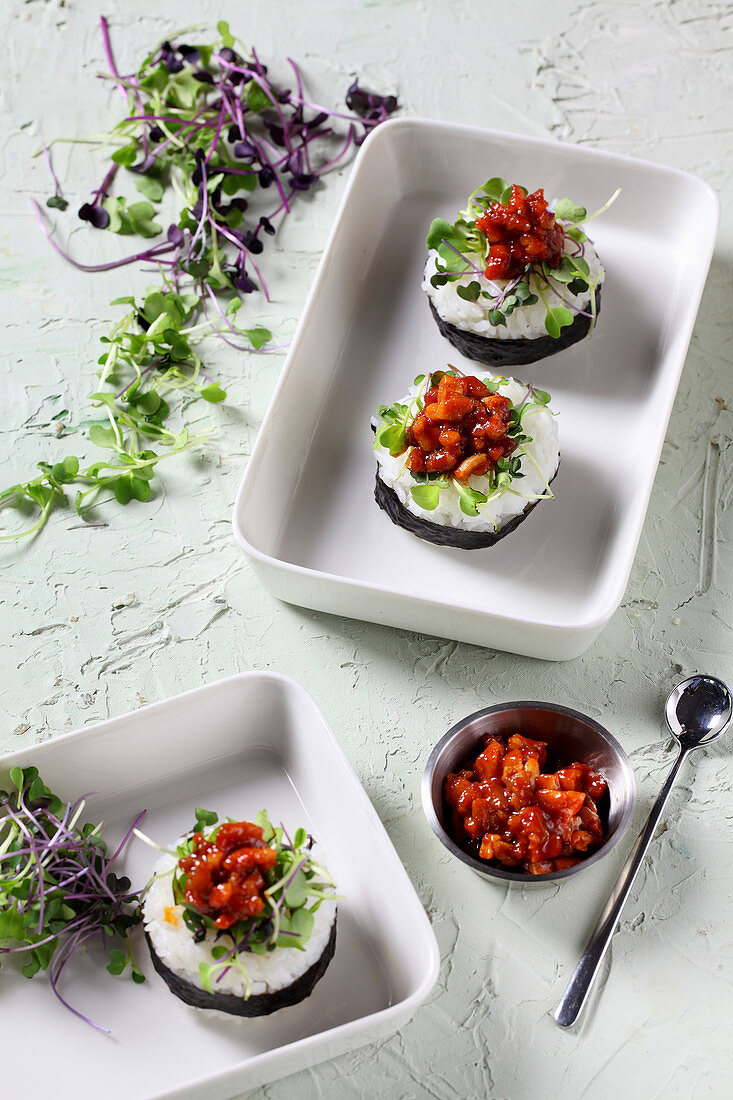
pixel 305 513
pixel 249 742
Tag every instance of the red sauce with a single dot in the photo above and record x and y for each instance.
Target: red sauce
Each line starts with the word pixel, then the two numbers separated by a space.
pixel 520 232
pixel 224 875
pixel 505 808
pixel 462 429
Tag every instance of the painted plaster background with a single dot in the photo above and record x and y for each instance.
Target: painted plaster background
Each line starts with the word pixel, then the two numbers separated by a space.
pixel 157 598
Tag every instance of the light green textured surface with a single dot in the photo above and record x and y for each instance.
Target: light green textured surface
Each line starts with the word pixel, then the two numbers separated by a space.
pixel 98 620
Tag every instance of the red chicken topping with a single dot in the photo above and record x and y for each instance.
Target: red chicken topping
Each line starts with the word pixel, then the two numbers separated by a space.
pixel 520 232
pixel 462 429
pixel 224 875
pixel 504 808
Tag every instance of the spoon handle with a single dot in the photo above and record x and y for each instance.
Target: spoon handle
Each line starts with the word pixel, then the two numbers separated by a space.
pixel 585 973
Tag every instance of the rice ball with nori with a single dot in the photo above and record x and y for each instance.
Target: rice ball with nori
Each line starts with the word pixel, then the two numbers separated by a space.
pixel 511 280
pixel 463 459
pixel 240 919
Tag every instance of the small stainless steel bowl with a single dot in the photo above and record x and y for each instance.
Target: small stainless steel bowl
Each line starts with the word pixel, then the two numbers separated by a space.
pixel 570 737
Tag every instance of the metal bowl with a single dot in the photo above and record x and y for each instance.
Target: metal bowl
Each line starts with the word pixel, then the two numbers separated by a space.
pixel 570 737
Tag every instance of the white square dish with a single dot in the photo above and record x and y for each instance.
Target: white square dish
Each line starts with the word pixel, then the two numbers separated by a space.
pixel 249 742
pixel 305 512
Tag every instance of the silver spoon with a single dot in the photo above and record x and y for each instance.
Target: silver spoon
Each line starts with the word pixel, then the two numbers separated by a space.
pixel 697 711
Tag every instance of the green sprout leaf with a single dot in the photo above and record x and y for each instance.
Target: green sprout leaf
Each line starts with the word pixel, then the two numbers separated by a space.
pixel 140 488
pixel 213 393
pixel 117 962
pixel 205 818
pixel 300 927
pixel 147 403
pixel 136 218
pixel 469 499
pixel 578 286
pixel 265 824
pixel 123 490
pixel 205 973
pixel 568 270
pixel 233 184
pixel 258 337
pixel 440 230
pixel 12 925
pixel 17 778
pixel 469 293
pixel 226 36
pixel 495 188
pixel 392 437
pixel 150 187
pixel 32 967
pixel 257 98
pixel 570 211
pixel 556 319
pixel 297 892
pixel 426 497
pixel 126 156
pixel 101 436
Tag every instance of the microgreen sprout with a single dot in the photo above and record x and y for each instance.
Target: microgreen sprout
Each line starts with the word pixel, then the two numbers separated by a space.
pixel 369 106
pixel 57 886
pixel 206 123
pixel 462 249
pixel 57 200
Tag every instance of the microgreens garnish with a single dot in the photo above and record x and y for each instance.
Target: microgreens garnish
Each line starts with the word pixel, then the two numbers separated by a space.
pixel 57 886
pixel 295 888
pixel 463 249
pixel 57 200
pixel 391 435
pixel 207 124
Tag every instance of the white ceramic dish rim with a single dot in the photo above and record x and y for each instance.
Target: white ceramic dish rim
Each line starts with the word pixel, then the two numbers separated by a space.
pixel 405 1007
pixel 685 325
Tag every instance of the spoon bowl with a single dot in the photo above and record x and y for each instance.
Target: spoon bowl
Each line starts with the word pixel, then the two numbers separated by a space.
pixel 698 711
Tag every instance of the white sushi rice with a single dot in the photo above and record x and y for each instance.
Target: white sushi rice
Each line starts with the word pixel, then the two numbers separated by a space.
pixel 539 423
pixel 525 322
pixel 174 943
